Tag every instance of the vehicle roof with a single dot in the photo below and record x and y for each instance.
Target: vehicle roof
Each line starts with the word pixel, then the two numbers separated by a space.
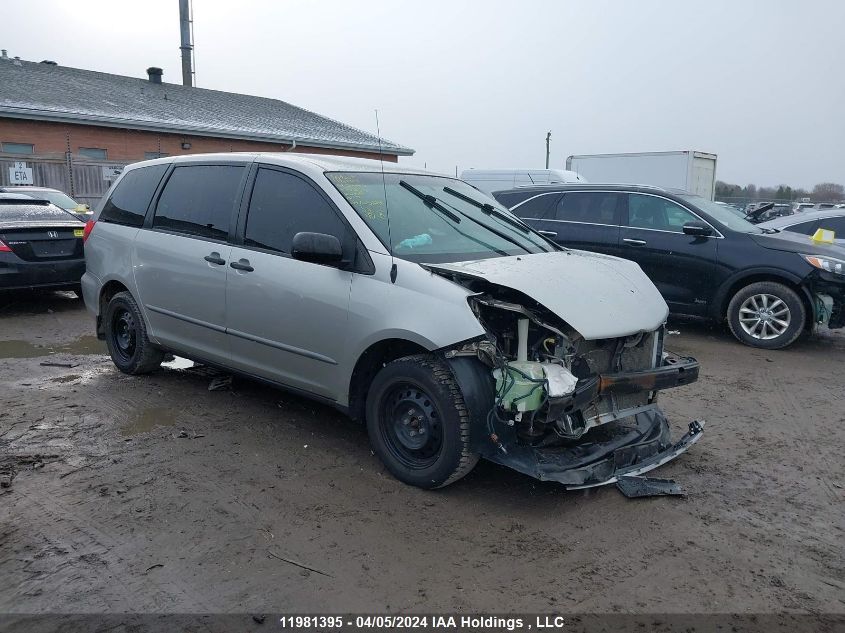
pixel 305 162
pixel 15 196
pixel 799 218
pixel 593 186
pixel 16 188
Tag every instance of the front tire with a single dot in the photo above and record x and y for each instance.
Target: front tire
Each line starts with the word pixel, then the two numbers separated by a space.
pixel 126 337
pixel 418 422
pixel 766 314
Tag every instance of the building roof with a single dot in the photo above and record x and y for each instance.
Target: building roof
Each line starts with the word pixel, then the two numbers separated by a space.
pixel 48 92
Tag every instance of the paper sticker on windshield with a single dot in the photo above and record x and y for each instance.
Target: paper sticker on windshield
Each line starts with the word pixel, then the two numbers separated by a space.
pixel 78 232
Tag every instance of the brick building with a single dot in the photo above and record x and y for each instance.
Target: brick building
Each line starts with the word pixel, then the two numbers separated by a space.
pixel 76 128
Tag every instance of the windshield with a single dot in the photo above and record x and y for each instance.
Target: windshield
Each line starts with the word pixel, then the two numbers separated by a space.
pixel 723 215
pixel 435 219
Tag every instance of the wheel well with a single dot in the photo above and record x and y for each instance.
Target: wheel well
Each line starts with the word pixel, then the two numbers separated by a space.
pixel 751 279
pixel 369 363
pixel 109 290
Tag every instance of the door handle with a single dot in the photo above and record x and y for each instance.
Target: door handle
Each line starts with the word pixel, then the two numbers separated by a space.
pixel 242 264
pixel 548 233
pixel 214 258
pixel 628 240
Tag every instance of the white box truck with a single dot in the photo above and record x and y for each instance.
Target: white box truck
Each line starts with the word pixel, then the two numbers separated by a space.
pixel 687 170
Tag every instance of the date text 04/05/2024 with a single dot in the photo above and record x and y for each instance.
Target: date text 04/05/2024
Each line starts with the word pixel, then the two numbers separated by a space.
pixel 544 622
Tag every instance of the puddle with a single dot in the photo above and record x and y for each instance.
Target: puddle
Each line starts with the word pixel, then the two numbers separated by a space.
pixel 179 363
pixel 27 349
pixel 147 419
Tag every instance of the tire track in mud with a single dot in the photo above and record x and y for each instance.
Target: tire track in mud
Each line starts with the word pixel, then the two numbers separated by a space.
pixel 73 535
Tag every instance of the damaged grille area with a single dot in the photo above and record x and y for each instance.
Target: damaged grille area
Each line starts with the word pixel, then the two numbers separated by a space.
pixel 552 387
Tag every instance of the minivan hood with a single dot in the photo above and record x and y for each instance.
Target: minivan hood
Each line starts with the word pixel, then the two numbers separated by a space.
pixel 797 243
pixel 598 295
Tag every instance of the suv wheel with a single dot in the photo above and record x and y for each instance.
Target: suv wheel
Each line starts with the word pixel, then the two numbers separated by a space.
pixel 766 314
pixel 418 423
pixel 126 337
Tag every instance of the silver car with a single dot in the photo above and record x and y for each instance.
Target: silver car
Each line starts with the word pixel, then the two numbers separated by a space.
pixel 407 299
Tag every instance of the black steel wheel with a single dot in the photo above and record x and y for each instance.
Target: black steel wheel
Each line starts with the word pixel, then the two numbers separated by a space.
pixel 126 337
pixel 418 423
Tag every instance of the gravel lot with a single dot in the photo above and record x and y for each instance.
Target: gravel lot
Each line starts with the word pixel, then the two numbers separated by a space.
pixel 154 494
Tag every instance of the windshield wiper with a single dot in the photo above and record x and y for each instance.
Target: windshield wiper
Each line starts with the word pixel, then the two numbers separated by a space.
pixel 430 200
pixel 489 209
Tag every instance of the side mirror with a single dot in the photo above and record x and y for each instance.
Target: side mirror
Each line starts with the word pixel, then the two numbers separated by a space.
pixel 699 229
pixel 318 248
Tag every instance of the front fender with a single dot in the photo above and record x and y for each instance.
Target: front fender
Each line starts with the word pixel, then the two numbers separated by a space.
pixel 721 296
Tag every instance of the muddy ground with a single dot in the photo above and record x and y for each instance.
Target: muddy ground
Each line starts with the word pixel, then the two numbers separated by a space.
pixel 154 494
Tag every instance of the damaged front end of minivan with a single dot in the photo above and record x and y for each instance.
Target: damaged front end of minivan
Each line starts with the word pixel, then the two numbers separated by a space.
pixel 550 403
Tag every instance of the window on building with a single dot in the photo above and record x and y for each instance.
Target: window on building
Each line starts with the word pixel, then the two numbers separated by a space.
pixel 18 148
pixel 152 155
pixel 283 205
pixel 93 152
pixel 199 200
pixel 130 199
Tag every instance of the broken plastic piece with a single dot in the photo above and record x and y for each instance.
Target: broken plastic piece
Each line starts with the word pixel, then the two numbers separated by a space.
pixel 633 487
pixel 823 236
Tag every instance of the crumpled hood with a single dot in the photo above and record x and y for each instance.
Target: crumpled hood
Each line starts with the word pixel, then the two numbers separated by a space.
pixel 598 295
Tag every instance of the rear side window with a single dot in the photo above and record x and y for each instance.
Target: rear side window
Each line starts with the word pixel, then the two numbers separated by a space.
pixel 538 208
pixel 283 205
pixel 807 228
pixel 599 207
pixel 130 199
pixel 198 200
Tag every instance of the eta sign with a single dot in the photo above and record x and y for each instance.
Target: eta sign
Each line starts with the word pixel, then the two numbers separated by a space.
pixel 20 174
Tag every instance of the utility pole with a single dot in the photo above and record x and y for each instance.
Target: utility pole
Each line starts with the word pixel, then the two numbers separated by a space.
pixel 187 44
pixel 548 138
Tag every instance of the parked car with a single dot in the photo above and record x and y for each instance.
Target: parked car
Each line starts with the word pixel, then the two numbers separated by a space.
pixel 453 329
pixel 800 207
pixel 59 198
pixel 809 222
pixel 40 245
pixel 488 180
pixel 767 211
pixel 706 261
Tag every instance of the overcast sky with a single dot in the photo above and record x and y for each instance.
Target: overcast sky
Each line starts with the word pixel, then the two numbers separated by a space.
pixel 471 83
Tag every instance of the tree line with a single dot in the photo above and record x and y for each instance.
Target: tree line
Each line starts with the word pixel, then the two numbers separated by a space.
pixel 822 192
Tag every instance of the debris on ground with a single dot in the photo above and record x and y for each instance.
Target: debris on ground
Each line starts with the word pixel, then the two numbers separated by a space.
pixel 633 487
pixel 220 383
pixel 55 363
pixel 295 564
pixel 191 436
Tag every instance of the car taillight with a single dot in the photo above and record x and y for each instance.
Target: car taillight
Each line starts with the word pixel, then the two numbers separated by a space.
pixel 4 248
pixel 89 226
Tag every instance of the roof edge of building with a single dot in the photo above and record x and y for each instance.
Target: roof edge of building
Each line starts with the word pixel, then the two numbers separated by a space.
pixel 156 126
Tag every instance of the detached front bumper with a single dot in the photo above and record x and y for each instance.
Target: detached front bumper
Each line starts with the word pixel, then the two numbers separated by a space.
pixel 626 442
pixel 604 454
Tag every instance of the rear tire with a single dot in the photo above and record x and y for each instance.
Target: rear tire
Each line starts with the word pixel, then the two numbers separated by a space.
pixel 418 422
pixel 126 337
pixel 767 314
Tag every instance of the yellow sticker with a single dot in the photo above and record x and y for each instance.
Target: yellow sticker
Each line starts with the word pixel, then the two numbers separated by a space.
pixel 78 232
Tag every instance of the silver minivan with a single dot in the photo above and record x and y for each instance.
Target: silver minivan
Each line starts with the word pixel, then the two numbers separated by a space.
pixel 407 299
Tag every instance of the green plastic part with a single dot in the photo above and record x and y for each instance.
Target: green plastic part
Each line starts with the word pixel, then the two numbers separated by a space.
pixel 521 393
